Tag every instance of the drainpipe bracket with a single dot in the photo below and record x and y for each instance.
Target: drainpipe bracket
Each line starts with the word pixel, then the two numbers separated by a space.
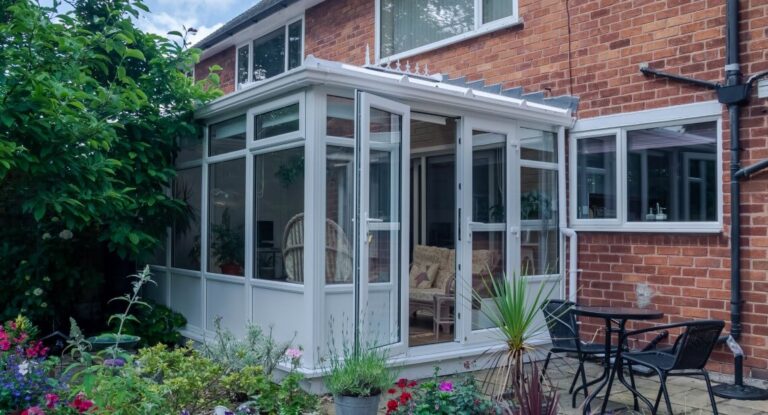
pixel 733 94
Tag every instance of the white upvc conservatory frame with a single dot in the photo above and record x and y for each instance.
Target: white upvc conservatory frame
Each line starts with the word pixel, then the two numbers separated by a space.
pixel 304 305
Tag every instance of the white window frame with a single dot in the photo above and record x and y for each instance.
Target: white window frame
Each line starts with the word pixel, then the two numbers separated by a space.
pixel 249 44
pixel 276 104
pixel 479 30
pixel 619 125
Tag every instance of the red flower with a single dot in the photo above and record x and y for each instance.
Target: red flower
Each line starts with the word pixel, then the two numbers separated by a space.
pixel 391 405
pixel 412 384
pixel 81 403
pixel 51 399
pixel 391 391
pixel 405 397
pixel 35 410
pixel 402 383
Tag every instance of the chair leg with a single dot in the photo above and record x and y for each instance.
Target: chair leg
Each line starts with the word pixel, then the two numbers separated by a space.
pixel 575 379
pixel 709 391
pixel 666 394
pixel 632 382
pixel 658 400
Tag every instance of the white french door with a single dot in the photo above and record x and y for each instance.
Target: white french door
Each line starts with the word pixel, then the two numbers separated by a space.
pixel 381 195
pixel 490 219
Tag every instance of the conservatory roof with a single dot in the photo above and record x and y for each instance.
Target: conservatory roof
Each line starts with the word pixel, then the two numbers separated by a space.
pixel 403 84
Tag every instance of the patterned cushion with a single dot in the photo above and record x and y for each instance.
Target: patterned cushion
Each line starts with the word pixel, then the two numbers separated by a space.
pixel 424 294
pixel 423 275
pixel 447 270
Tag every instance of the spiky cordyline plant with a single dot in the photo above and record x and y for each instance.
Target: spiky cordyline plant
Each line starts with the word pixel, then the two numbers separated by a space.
pixel 513 310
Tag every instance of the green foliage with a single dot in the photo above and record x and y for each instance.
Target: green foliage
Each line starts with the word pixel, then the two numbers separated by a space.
pixel 256 349
pixel 514 310
pixel 362 374
pixel 91 110
pixel 227 244
pixel 439 397
pixel 157 324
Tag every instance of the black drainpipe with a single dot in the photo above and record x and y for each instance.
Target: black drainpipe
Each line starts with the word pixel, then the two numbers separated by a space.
pixel 734 94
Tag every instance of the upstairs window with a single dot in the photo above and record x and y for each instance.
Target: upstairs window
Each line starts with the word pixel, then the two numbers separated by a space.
pixel 419 25
pixel 271 54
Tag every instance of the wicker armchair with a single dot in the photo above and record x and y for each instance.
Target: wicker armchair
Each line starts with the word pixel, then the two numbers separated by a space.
pixel 338 252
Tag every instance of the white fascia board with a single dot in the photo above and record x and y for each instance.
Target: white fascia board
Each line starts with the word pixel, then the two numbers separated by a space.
pixel 321 72
pixel 656 115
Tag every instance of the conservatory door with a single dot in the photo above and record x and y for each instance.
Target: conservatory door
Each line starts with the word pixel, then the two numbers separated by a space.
pixel 382 260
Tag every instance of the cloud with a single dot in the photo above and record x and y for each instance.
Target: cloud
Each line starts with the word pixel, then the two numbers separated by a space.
pixel 162 22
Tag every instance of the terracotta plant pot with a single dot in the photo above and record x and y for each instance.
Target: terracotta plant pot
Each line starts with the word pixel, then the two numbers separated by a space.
pixel 231 269
pixel 355 405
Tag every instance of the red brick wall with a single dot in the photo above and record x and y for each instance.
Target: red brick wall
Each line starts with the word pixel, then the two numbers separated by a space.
pixel 226 60
pixel 608 40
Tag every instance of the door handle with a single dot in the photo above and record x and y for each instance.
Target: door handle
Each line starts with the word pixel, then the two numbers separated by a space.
pixel 375 220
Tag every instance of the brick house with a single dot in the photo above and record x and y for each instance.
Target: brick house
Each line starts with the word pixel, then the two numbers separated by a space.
pixel 558 115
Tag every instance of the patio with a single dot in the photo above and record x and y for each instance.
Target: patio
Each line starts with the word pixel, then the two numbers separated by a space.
pixel 688 394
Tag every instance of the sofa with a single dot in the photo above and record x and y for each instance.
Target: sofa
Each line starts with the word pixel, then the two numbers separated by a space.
pixel 433 272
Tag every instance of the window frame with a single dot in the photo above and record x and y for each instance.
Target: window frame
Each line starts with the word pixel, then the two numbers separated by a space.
pixel 480 29
pixel 286 48
pixel 619 125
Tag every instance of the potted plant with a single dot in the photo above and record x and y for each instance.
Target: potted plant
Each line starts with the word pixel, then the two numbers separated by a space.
pixel 228 245
pixel 356 380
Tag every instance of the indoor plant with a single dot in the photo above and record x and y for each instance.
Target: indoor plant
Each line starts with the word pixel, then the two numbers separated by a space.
pixel 357 378
pixel 228 245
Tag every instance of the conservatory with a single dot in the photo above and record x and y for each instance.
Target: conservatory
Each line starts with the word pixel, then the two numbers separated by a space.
pixel 335 201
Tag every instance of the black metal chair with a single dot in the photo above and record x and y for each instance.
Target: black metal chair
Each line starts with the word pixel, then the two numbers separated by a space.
pixel 564 333
pixel 687 357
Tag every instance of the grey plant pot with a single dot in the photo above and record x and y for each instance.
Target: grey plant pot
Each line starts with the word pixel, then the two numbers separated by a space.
pixel 354 405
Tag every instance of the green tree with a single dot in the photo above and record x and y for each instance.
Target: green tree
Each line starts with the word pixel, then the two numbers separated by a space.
pixel 91 111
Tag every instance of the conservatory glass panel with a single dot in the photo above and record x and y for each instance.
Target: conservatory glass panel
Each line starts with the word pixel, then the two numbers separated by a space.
pixel 227 136
pixel 539 242
pixel 340 117
pixel 538 145
pixel 488 265
pixel 294 45
pixel 339 208
pixel 190 148
pixel 185 246
pixel 489 187
pixel 277 122
pixel 226 213
pixel 279 215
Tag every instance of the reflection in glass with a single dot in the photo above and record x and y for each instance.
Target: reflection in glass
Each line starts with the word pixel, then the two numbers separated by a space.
pixel 340 114
pixel 672 173
pixel 383 203
pixel 227 136
pixel 276 122
pixel 539 248
pixel 269 55
pixel 488 177
pixel 185 245
pixel 294 45
pixel 408 24
pixel 497 9
pixel 596 177
pixel 226 212
pixel 488 264
pixel 538 145
pixel 279 215
pixel 242 65
pixel 339 205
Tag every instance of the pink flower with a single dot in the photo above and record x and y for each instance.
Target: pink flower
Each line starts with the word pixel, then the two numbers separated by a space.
pixel 5 345
pixel 35 410
pixel 81 403
pixel 294 353
pixel 51 399
pixel 446 386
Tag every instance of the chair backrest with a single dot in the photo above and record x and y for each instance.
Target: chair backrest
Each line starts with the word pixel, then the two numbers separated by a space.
pixel 561 323
pixel 695 344
pixel 338 251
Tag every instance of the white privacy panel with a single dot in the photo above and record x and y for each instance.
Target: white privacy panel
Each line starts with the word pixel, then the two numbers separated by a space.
pixel 339 319
pixel 284 312
pixel 227 301
pixel 157 292
pixel 186 294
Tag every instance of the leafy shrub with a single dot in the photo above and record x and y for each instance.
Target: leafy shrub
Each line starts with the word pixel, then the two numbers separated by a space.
pixel 439 397
pixel 364 373
pixel 256 349
pixel 157 324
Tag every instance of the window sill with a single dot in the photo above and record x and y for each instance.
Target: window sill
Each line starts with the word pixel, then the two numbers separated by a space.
pixel 505 23
pixel 646 227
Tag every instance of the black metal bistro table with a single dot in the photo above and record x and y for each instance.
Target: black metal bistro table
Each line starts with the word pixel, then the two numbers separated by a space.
pixel 615 321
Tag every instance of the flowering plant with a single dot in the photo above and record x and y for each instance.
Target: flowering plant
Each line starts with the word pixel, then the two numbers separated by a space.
pixel 438 397
pixel 54 406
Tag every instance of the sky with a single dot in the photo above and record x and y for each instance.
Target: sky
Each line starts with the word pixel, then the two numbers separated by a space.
pixel 204 15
